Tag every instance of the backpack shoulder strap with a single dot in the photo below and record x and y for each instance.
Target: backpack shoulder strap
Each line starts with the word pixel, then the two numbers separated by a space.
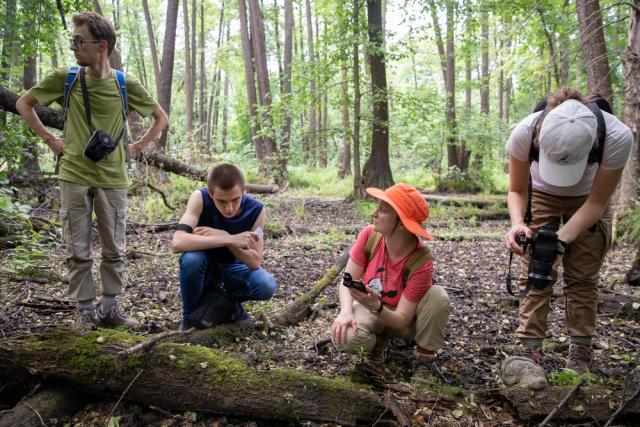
pixel 372 244
pixel 418 258
pixel 122 88
pixel 72 76
pixel 595 156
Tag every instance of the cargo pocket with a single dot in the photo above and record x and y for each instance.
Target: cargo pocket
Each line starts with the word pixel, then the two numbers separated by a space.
pixel 604 228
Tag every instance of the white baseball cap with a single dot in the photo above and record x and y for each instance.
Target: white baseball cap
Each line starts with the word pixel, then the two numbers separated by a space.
pixel 566 138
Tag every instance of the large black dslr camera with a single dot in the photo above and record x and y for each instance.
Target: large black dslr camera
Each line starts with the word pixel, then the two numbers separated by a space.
pixel 544 249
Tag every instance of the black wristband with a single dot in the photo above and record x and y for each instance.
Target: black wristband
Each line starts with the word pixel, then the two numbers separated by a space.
pixel 565 246
pixel 184 227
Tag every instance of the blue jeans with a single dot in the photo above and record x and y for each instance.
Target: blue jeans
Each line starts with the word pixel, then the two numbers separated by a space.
pixel 198 273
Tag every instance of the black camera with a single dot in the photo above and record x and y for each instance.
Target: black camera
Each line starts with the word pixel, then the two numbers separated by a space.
pixel 544 249
pixel 348 281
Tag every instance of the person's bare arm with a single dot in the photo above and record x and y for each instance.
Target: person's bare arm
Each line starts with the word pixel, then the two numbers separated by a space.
pixel 345 318
pixel 183 241
pixel 252 256
pixel 160 121
pixel 604 185
pixel 26 106
pixel 517 200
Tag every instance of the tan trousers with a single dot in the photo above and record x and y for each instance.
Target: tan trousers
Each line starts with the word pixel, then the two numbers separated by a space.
pixel 432 316
pixel 581 269
pixel 110 206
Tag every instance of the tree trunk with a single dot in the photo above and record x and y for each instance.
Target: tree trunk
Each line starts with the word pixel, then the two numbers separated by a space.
pixel 345 164
pixel 187 71
pixel 594 48
pixel 179 378
pixel 249 76
pixel 166 70
pixel 194 52
pixel 377 170
pixel 271 163
pixel 628 191
pixel 313 115
pixel 484 88
pixel 358 187
pixel 202 117
pixel 276 26
pixel 214 97
pixel 139 49
pixel 152 46
pixel 286 81
pixel 225 113
pixel 7 48
pixel 45 406
pixel 29 158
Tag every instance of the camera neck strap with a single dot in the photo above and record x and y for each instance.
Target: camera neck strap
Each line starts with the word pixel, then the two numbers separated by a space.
pixel 87 107
pixel 509 279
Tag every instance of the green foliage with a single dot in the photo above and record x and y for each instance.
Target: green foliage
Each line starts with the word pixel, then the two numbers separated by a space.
pixel 299 210
pixel 318 182
pixel 629 229
pixel 364 207
pixel 569 378
pixel 325 241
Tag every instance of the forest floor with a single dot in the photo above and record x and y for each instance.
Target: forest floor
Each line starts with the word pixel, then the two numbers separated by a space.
pixel 305 235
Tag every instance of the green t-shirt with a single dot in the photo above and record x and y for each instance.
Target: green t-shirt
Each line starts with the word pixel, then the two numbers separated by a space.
pixel 106 115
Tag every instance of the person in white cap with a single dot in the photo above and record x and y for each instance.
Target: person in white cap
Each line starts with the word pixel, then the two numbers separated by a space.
pixel 571 183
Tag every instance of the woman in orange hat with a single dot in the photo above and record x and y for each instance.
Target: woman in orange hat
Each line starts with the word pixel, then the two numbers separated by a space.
pixel 399 298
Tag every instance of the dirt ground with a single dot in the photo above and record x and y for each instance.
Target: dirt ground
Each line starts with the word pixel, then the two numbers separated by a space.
pixel 305 236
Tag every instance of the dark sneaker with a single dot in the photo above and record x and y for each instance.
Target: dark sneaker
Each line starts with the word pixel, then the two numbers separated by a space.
pixel 580 358
pixel 114 317
pixel 87 319
pixel 533 353
pixel 184 325
pixel 240 314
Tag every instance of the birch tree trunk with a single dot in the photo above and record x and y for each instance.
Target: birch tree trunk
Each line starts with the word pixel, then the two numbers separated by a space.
pixel 152 46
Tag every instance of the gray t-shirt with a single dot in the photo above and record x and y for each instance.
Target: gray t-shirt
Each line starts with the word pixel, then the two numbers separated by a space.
pixel 617 148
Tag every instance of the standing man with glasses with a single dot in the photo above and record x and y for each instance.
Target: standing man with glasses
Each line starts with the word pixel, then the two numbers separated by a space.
pixel 97 105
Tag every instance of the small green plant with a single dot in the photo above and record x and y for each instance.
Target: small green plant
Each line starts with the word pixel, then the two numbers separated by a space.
pixel 569 378
pixel 327 240
pixel 299 211
pixel 364 207
pixel 273 227
pixel 630 225
pixel 473 221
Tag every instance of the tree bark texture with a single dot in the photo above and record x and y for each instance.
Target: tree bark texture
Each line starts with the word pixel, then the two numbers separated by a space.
pixel 286 80
pixel 178 377
pixel 250 81
pixel 202 116
pixel 594 48
pixel 377 170
pixel 345 164
pixel 357 176
pixel 313 114
pixel 188 77
pixel 44 406
pixel 166 70
pixel 152 46
pixel 628 191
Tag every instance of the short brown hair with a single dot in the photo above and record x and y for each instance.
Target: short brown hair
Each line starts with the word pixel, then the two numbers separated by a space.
pixel 225 176
pixel 99 27
pixel 562 94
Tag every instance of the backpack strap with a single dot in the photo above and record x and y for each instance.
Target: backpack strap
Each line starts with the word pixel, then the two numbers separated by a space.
pixel 122 88
pixel 372 244
pixel 418 258
pixel 72 76
pixel 595 155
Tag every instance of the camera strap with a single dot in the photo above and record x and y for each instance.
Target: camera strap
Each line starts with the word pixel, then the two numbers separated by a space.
pixel 87 107
pixel 508 280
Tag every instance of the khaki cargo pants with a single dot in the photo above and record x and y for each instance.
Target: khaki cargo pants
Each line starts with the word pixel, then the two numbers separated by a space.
pixel 581 268
pixel 110 206
pixel 432 316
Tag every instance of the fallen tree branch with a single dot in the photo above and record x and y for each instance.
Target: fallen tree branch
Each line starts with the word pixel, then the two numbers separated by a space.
pixel 151 341
pixel 182 377
pixel 562 403
pixel 164 196
pixel 153 228
pixel 622 405
pixel 54 118
pixel 300 308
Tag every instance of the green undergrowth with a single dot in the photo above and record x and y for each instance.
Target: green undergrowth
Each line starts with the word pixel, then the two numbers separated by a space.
pixel 327 240
pixel 568 378
pixel 458 236
pixel 305 180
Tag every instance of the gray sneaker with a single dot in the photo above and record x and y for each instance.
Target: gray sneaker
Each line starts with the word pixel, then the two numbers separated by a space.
pixel 87 319
pixel 114 317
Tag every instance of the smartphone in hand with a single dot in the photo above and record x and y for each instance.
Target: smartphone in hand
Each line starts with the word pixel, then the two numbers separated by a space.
pixel 348 281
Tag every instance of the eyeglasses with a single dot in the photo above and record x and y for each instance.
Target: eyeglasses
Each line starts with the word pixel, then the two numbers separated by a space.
pixel 79 41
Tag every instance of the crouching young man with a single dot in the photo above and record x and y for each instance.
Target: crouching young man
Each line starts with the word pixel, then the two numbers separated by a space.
pixel 220 237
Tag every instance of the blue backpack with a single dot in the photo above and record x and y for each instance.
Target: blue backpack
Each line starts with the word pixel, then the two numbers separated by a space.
pixel 72 76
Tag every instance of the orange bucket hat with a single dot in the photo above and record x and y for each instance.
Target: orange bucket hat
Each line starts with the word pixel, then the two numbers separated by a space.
pixel 408 203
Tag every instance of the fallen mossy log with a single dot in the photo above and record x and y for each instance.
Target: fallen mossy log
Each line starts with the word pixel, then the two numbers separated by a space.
pixel 54 118
pixel 588 404
pixel 183 377
pixel 46 407
pixel 300 308
pixel 461 200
